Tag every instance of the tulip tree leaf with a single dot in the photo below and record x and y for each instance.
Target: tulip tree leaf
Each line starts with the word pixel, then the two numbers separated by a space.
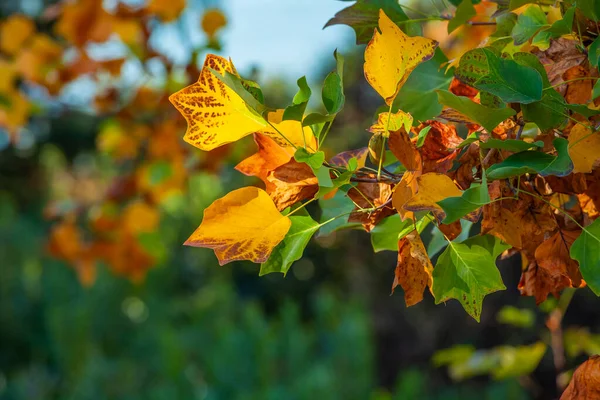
pixel 290 249
pixel 363 17
pixel 471 199
pixel 467 272
pixel 534 162
pixel 487 117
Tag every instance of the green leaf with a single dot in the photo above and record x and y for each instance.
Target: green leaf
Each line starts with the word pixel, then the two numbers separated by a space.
pixel 292 246
pixel 333 87
pixel 534 162
pixel 473 65
pixel 548 113
pixel 563 26
pixel 510 144
pixel 423 135
pixel 596 90
pixel 487 117
pixel 418 97
pixel 363 17
pixel 316 118
pixel 464 12
pixel 296 110
pixel 314 160
pixel 590 8
pixel 518 361
pixel 505 23
pixel 324 177
pixel 585 250
pixel 528 24
pixel 338 205
pixel 511 81
pixel 236 84
pixel 594 53
pixel 467 272
pixel 507 79
pixel 582 109
pixel 473 198
pixel 514 4
pixel 385 235
pixel 521 318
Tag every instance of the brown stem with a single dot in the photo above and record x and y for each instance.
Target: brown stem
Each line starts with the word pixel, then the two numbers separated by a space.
pixel 554 324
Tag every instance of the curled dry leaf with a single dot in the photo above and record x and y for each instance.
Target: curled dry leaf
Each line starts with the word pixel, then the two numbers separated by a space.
pixel 405 150
pixel 562 55
pixel 539 283
pixel 242 225
pixel 585 384
pixel 440 147
pixel 368 195
pixel 341 159
pixel 554 256
pixel 291 183
pixel 391 56
pixel 414 269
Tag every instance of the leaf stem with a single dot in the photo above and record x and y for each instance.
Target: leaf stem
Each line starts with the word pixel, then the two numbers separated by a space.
pixel 572 80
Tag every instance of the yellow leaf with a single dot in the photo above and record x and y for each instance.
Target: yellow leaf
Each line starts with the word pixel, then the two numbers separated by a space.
pixel 584 148
pixel 243 225
pixel 414 269
pixel 14 32
pixel 388 122
pixel 293 131
pixel 433 187
pixel 139 217
pixel 215 114
pixel 391 56
pixel 7 76
pixel 212 21
pixel 404 191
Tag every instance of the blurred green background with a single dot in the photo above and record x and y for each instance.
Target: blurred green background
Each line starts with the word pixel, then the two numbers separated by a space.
pixel 193 330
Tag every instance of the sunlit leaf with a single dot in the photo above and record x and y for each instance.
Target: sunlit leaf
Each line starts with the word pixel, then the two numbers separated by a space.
pixel 242 225
pixel 391 56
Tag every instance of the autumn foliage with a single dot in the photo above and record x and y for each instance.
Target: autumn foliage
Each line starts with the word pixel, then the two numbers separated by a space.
pixel 488 131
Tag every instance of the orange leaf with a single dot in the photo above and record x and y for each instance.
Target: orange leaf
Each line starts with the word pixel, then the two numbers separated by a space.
pixel 291 183
pixel 14 32
pixel 585 384
pixel 404 150
pixel 242 225
pixel 268 157
pixel 369 195
pixel 554 256
pixel 414 269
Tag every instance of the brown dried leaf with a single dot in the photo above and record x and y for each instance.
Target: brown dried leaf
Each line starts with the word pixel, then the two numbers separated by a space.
pixel 585 384
pixel 414 269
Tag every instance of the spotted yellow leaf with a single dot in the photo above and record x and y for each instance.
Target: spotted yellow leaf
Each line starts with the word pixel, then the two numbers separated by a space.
pixel 433 187
pixel 391 56
pixel 242 225
pixel 389 122
pixel 584 148
pixel 215 114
